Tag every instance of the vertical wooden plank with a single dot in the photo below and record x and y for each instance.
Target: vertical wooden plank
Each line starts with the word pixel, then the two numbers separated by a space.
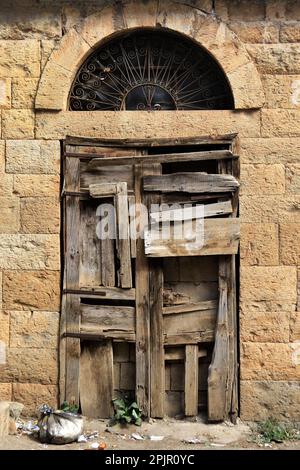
pixel 90 246
pixel 218 372
pixel 142 305
pixel 191 380
pixel 123 246
pixel 132 225
pixel 72 183
pixel 107 262
pixel 96 379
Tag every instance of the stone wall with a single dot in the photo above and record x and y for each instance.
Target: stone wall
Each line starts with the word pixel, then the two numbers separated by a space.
pixel 269 33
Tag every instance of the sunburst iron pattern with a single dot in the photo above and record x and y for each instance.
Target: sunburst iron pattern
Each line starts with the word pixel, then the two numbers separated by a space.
pixel 151 71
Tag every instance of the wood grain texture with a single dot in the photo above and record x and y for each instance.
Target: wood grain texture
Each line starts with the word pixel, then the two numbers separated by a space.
pixel 192 182
pixel 123 244
pixel 190 213
pixel 191 380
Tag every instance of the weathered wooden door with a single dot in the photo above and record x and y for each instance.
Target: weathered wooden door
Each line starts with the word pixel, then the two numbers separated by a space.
pixel 157 311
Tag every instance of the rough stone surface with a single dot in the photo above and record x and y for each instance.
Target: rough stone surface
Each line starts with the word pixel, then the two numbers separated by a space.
pixel 275 209
pixel 262 179
pixel 5 391
pixel 257 326
pixel 23 92
pixel 9 214
pixel 34 395
pixel 36 185
pixel 29 290
pixel 259 244
pixel 270 150
pixel 18 124
pixel 40 215
pixel 268 283
pixel 293 178
pixel 33 365
pixel 28 251
pixel 20 58
pixel 290 32
pixel 295 326
pixel 261 400
pixel 275 58
pixel 4 327
pixel 33 156
pixel 290 243
pixel 260 32
pixel 5 93
pixel 282 91
pixel 34 329
pixel 270 361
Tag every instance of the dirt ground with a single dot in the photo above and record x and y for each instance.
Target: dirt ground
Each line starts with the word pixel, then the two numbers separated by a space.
pixel 175 436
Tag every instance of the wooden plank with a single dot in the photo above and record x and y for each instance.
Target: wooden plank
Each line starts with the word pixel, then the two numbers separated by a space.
pixel 191 307
pixel 172 297
pixel 218 374
pixel 153 159
pixel 190 213
pixel 190 322
pixel 109 293
pixel 142 307
pixel 90 246
pixel 206 336
pixel 94 334
pixel 132 225
pixel 101 174
pixel 157 340
pixel 151 142
pixel 123 246
pixel 72 250
pixel 221 236
pixel 102 190
pixel 191 380
pixel 96 379
pixel 178 354
pixel 108 317
pixel 192 182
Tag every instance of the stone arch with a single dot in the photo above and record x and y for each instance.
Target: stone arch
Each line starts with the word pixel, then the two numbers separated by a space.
pixel 204 29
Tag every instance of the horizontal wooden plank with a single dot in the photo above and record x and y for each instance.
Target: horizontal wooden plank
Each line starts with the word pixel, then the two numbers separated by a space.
pixel 159 158
pixel 97 190
pixel 109 293
pixel 190 182
pixel 219 237
pixel 207 336
pixel 151 142
pixel 108 317
pixel 177 354
pixel 102 335
pixel 191 307
pixel 190 213
pixel 99 174
pixel 192 322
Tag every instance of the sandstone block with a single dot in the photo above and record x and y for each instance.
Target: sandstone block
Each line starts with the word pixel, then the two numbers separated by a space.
pixel 23 92
pixel 290 243
pixel 275 58
pixel 144 125
pixel 5 391
pixel 2 156
pixel 261 400
pixel 9 214
pixel 270 361
pixel 255 32
pixel 20 58
pixel 271 150
pixel 264 327
pixel 259 244
pixel 293 178
pixel 5 93
pixel 35 395
pixel 268 283
pixel 6 185
pixel 290 32
pixel 295 326
pixel 282 91
pixel 40 215
pixel 28 290
pixel 34 329
pixel 28 251
pixel 36 185
pixel 33 156
pixel 275 10
pixel 262 179
pixel 4 419
pixel 246 11
pixel 47 47
pixel 4 327
pixel 275 209
pixel 18 124
pixel 31 365
pixel 280 122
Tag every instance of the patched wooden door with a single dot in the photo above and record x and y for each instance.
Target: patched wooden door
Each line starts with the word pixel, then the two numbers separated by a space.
pixel 153 317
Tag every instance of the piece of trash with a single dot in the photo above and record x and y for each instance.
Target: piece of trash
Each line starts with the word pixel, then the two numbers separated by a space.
pixel 30 427
pixel 59 427
pixel 214 444
pixel 137 436
pixel 82 438
pixel 94 445
pixel 88 436
pixel 267 444
pixel 102 446
pixel 192 441
pixel 156 438
pixel 97 446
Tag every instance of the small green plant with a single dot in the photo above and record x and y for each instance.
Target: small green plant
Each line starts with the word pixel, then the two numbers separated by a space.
pixel 69 407
pixel 270 430
pixel 126 412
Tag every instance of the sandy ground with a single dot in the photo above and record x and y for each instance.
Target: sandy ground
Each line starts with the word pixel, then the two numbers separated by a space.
pixel 175 433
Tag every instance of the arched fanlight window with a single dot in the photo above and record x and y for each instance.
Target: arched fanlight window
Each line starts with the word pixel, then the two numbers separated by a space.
pixel 150 70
